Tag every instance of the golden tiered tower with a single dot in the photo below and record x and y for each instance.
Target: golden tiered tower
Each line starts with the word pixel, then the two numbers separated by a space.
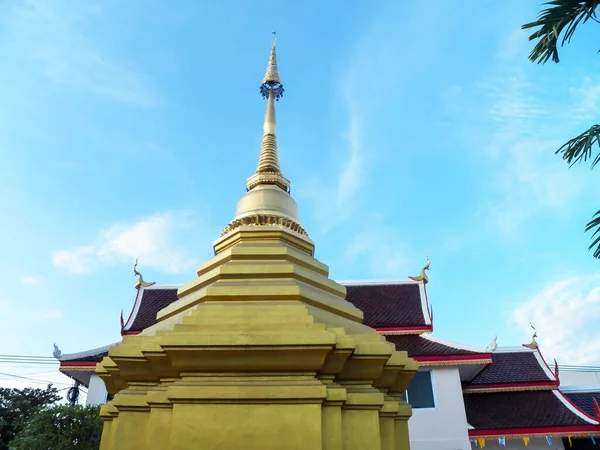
pixel 261 351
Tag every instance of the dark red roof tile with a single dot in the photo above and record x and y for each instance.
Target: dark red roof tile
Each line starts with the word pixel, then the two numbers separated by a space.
pixel 420 346
pixel 526 409
pixel 152 301
pixel 584 401
pixel 515 367
pixel 388 305
pixel 383 305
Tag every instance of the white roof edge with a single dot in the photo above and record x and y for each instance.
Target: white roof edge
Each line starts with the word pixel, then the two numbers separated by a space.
pixel 544 366
pixel 91 352
pixel 375 282
pixel 136 307
pixel 424 306
pixel 581 389
pixel 514 350
pixel 573 409
pixel 455 345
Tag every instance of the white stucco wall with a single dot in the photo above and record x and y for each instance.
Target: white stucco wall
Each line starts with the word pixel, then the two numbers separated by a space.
pixel 534 444
pixel 445 427
pixel 96 391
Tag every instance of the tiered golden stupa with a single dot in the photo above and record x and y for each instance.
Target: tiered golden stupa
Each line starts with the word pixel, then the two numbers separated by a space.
pixel 261 351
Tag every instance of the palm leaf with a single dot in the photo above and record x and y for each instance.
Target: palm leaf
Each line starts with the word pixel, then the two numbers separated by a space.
pixel 595 224
pixel 579 149
pixel 562 15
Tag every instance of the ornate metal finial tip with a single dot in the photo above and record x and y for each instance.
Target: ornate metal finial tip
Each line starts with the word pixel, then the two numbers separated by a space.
pixel 271 81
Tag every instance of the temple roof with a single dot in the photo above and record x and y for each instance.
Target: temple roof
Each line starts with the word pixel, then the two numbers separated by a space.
pixel 513 367
pixel 584 400
pixel 393 304
pixel 401 304
pixel 518 410
pixel 425 345
pixel 148 303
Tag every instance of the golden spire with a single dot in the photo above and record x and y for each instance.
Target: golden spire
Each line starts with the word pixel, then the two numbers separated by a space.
pixel 268 170
pixel 267 201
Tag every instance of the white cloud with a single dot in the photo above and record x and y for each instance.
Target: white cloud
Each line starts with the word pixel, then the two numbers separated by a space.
pixel 51 314
pixel 380 251
pixel 153 240
pixel 55 35
pixel 78 260
pixel 30 280
pixel 565 314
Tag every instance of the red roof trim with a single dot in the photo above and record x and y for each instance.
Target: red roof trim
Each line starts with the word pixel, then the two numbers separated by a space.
pixel 550 384
pixel 476 356
pixel 541 430
pixel 421 328
pixel 129 333
pixel 78 364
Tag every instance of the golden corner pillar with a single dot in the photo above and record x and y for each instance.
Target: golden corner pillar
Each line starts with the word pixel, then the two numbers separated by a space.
pixel 261 350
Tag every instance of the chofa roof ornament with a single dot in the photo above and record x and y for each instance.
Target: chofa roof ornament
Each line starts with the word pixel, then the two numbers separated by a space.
pixel 423 276
pixel 533 345
pixel 140 282
pixel 56 353
pixel 493 345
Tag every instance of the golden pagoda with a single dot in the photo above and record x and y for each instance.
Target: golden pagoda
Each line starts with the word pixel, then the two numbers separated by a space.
pixel 261 350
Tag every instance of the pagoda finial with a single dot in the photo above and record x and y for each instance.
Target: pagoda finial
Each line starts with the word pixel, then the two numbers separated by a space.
pixel 271 79
pixel 423 276
pixel 140 282
pixel 268 170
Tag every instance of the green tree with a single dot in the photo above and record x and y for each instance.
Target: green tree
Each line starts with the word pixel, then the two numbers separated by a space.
pixel 557 23
pixel 61 427
pixel 17 406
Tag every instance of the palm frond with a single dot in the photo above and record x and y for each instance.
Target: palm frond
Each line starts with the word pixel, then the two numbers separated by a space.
pixel 580 148
pixel 561 15
pixel 595 224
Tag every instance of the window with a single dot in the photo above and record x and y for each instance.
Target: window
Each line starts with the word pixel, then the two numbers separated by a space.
pixel 420 391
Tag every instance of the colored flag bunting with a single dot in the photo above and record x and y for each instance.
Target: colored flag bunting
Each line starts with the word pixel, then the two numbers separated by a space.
pixel 502 442
pixel 593 440
pixel 570 441
pixel 549 440
pixel 481 442
pixel 526 441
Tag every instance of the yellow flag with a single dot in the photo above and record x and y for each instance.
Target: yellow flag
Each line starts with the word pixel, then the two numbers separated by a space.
pixel 526 441
pixel 570 441
pixel 481 442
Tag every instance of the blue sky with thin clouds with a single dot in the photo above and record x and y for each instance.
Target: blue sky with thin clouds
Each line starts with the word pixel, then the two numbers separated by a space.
pixel 128 130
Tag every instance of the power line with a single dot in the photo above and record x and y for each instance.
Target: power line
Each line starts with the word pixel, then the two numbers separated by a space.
pixel 28 357
pixel 32 379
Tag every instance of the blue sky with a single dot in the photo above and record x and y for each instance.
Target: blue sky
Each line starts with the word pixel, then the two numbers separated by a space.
pixel 128 130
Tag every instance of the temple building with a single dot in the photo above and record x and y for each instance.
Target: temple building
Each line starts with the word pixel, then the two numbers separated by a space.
pixel 263 332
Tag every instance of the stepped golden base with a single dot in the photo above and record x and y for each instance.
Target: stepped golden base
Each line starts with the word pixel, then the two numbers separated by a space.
pixel 261 351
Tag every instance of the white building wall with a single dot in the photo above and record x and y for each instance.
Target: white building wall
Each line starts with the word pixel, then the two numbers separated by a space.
pixel 534 444
pixel 96 391
pixel 579 378
pixel 445 426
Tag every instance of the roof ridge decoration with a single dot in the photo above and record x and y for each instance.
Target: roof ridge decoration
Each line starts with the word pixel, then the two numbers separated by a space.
pixel 140 281
pixel 533 345
pixel 423 276
pixel 493 345
pixel 56 353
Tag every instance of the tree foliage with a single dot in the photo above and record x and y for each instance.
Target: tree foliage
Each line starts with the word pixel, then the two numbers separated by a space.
pixel 61 427
pixel 17 406
pixel 561 18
